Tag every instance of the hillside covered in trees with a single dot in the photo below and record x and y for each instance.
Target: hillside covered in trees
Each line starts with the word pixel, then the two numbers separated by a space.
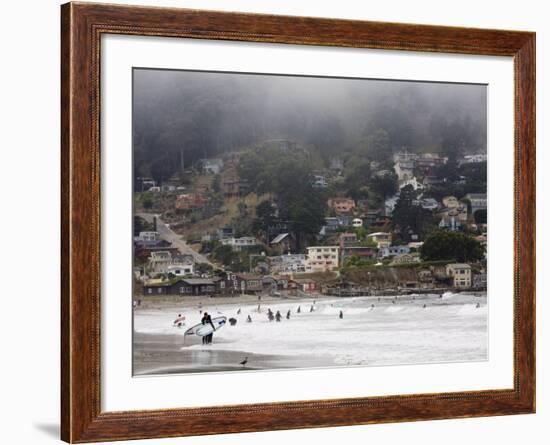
pixel 182 117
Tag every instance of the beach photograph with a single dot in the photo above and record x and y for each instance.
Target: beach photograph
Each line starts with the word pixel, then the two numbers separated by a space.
pixel 291 222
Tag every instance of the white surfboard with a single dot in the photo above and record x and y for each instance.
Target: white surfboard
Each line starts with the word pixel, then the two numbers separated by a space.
pixel 205 329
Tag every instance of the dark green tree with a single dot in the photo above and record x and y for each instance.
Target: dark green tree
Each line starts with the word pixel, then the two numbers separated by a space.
pixel 384 186
pixel 266 215
pixel 408 217
pixel 446 245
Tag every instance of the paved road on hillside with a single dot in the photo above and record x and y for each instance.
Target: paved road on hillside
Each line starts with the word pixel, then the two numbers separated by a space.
pixel 169 235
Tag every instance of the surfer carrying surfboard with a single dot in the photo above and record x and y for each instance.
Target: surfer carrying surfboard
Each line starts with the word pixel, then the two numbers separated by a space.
pixel 207 319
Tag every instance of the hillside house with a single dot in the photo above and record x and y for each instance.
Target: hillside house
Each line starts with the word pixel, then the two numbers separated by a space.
pixel 405 258
pixel 283 243
pixel 382 239
pixel 212 166
pixel 285 264
pixel 478 201
pixel 347 239
pixel 404 170
pixel 366 253
pixel 190 201
pixel 322 258
pixel 238 244
pixel 341 206
pixel 147 236
pixel 391 251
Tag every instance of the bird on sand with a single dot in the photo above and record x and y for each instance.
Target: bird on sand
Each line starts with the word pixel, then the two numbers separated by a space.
pixel 244 362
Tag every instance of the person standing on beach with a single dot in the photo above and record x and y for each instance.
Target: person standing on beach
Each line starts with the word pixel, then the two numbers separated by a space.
pixel 203 321
pixel 299 310
pixel 211 335
pixel 278 316
pixel 288 315
pixel 341 315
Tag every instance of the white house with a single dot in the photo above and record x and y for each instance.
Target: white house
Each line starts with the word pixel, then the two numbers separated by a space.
pixel 404 170
pixel 181 270
pixel 322 258
pixel 382 239
pixel 237 244
pixel 212 166
pixel 159 262
pixel 415 183
pixel 147 236
pixel 390 251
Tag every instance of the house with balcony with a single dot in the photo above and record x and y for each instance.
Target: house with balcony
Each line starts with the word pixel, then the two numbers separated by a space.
pixel 238 244
pixel 460 273
pixel 322 258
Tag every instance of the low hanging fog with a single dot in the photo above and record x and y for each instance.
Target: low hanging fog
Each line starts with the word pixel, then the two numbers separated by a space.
pixel 206 114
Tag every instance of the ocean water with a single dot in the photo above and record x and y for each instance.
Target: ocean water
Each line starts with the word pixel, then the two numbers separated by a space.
pixel 373 332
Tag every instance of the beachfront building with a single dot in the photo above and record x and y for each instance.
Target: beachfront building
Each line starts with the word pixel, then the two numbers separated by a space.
pixel 303 284
pixel 460 273
pixel 322 258
pixel 186 286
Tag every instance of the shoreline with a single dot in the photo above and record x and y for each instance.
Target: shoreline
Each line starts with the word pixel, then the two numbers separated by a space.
pixel 173 301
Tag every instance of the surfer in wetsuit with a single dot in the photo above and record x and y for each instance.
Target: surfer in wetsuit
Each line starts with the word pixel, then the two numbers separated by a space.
pixel 249 319
pixel 341 315
pixel 299 310
pixel 211 335
pixel 203 321
pixel 288 315
pixel 278 316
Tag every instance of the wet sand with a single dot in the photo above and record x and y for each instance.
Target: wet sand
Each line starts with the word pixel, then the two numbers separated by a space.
pixel 163 354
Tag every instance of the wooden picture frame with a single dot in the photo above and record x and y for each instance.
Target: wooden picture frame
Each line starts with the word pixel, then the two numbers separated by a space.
pixel 82 26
